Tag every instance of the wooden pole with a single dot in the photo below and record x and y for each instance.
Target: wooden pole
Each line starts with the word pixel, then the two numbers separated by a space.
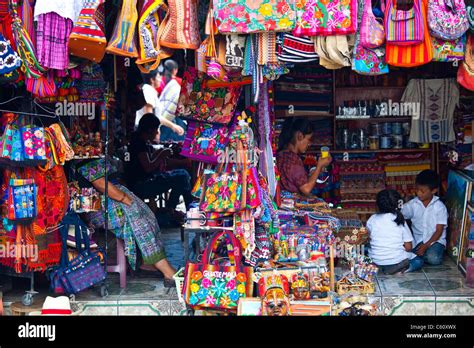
pixel 331 268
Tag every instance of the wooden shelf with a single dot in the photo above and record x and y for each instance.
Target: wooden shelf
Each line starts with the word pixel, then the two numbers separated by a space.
pixel 377 119
pixel 298 113
pixel 382 150
pixel 362 88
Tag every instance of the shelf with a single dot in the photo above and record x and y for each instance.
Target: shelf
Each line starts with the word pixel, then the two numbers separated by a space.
pixel 381 150
pixel 370 87
pixel 302 113
pixel 377 119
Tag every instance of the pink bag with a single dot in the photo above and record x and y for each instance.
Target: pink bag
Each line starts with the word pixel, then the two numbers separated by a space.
pixel 404 28
pixel 372 33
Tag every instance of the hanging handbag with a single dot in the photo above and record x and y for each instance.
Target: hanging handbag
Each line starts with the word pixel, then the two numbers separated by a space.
pixel 34 150
pixel 470 13
pixel 11 147
pixel 9 61
pixel 150 51
pixel 87 39
pixel 123 41
pixel 447 19
pixel 448 50
pixel 368 61
pixel 319 17
pixel 408 56
pixel 294 49
pixel 466 69
pixel 22 200
pixel 405 27
pixel 85 270
pixel 200 102
pixel 234 50
pixel 205 142
pixel 180 26
pixel 210 285
pixel 246 17
pixel 372 33
pixel 225 191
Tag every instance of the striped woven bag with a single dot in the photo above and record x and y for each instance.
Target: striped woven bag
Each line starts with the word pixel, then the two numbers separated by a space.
pixel 413 55
pixel 404 27
pixel 123 41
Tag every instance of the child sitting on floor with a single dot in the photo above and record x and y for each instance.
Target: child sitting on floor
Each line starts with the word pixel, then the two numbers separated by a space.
pixel 390 237
pixel 429 218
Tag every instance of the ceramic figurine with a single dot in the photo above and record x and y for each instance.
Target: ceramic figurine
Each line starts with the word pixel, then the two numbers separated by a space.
pixel 300 286
pixel 274 291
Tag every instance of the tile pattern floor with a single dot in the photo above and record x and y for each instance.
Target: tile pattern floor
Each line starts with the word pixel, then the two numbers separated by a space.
pixel 435 290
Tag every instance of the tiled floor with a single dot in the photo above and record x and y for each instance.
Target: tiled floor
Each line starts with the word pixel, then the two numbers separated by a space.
pixel 436 290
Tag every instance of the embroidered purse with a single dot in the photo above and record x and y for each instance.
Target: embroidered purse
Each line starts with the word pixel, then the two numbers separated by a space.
pixel 319 17
pixel 245 17
pixel 205 142
pixel 9 61
pixel 404 27
pixel 368 61
pixel 208 284
pixel 448 50
pixel 181 27
pixel 200 102
pixel 123 41
pixel 372 32
pixel 22 200
pixel 447 19
pixel 87 39
pixel 34 150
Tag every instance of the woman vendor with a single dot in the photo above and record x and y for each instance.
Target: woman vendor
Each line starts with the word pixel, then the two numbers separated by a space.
pixel 130 219
pixel 294 140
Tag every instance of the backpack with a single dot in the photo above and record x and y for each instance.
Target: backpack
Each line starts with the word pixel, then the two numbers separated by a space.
pixel 402 27
pixel 448 50
pixel 447 19
pixel 372 32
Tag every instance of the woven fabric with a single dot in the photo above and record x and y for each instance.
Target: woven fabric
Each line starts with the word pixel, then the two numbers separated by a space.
pixel 404 27
pixel 123 41
pixel 181 27
pixel 52 35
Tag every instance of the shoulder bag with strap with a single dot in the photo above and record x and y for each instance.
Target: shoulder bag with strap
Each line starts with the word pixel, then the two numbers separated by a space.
pixel 466 69
pixel 404 27
pixel 372 33
pixel 447 19
pixel 448 50
pixel 123 41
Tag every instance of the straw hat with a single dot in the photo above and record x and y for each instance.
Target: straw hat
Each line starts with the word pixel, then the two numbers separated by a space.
pixel 55 306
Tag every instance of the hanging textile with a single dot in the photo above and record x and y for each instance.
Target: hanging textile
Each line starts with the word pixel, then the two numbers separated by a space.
pixel 123 42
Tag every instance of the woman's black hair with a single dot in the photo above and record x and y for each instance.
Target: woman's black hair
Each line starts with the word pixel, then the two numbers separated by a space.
pixel 390 201
pixel 148 122
pixel 168 68
pixel 290 127
pixel 150 75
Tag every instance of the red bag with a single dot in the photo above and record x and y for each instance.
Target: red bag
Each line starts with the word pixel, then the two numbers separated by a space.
pixel 466 69
pixel 210 285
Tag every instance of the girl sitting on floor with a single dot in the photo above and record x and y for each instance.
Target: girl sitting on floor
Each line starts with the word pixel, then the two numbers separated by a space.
pixel 390 237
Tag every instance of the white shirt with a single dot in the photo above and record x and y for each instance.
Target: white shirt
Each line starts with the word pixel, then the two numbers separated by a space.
pixel 65 8
pixel 424 219
pixel 151 97
pixel 387 239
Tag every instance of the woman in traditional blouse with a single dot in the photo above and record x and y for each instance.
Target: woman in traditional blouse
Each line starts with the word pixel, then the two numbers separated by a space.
pixel 294 140
pixel 130 219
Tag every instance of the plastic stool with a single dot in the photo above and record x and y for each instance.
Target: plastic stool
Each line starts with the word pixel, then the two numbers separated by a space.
pixel 121 266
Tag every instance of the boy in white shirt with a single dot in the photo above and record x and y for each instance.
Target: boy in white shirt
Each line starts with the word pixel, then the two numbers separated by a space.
pixel 429 218
pixel 390 237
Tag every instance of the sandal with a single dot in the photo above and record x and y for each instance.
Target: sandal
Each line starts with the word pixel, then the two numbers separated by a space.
pixel 169 283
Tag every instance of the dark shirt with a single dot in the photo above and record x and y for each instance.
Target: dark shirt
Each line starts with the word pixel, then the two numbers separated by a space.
pixel 135 172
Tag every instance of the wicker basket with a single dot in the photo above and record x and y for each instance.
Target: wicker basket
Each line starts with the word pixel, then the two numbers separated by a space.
pixel 360 286
pixel 179 280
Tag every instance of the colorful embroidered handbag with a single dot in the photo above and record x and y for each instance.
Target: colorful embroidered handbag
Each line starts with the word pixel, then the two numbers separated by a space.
pixel 11 146
pixel 9 61
pixel 294 49
pixel 466 69
pixel 150 50
pixel 33 141
pixel 413 55
pixel 372 33
pixel 181 27
pixel 209 284
pixel 404 27
pixel 200 102
pixel 448 50
pixel 123 41
pixel 225 191
pixel 22 200
pixel 321 17
pixel 205 142
pixel 368 61
pixel 245 17
pixel 447 19
pixel 87 39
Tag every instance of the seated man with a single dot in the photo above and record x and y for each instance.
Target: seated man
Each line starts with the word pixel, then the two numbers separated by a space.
pixel 146 169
